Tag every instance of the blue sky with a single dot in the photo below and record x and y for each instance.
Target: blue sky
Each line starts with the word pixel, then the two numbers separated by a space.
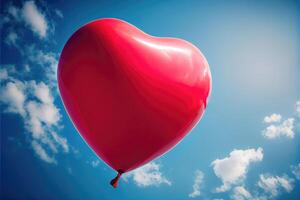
pixel 247 145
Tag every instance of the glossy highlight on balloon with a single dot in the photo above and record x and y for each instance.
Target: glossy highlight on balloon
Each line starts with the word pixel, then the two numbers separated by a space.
pixel 131 96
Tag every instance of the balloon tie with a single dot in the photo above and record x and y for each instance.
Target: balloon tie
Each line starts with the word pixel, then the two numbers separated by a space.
pixel 114 182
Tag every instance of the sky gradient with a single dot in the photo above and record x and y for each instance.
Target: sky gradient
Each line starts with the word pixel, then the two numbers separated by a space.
pixel 246 146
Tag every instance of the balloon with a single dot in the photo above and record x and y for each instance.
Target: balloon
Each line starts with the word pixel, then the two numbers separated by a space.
pixel 131 96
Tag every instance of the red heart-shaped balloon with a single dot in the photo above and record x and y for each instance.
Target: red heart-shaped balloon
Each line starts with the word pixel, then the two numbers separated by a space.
pixel 131 96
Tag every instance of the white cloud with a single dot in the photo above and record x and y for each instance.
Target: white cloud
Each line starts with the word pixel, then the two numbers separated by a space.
pixel 148 175
pixel 298 108
pixel 197 184
pixel 286 128
pixel 44 112
pixel 272 185
pixel 233 169
pixel 13 95
pixel 240 193
pixel 296 170
pixel 277 128
pixel 272 118
pixel 35 18
pixel 35 104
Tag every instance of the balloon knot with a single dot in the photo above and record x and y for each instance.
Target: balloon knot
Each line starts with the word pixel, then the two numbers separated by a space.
pixel 114 182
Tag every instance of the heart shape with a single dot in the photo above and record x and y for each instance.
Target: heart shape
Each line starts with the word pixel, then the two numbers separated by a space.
pixel 131 96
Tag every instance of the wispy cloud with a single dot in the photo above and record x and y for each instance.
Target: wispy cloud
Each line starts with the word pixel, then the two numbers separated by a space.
pixel 298 108
pixel 41 152
pixel 241 193
pixel 35 19
pixel 46 60
pixel 148 175
pixel 14 12
pixel 31 16
pixel 58 13
pixel 33 100
pixel 95 163
pixel 270 188
pixel 3 74
pixel 35 104
pixel 12 38
pixel 272 185
pixel 296 170
pixel 233 169
pixel 199 176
